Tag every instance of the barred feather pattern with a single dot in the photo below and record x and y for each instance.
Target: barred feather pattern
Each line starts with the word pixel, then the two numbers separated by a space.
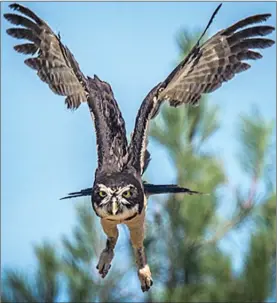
pixel 202 71
pixel 54 62
pixel 56 66
pixel 217 61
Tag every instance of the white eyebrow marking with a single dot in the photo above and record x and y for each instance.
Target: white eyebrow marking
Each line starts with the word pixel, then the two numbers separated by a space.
pixel 108 190
pixel 117 192
pixel 121 190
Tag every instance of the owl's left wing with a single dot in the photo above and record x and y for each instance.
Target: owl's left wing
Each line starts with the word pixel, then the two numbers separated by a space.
pixel 202 71
pixel 56 66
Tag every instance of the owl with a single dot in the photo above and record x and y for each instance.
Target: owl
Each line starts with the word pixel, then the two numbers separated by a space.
pixel 118 194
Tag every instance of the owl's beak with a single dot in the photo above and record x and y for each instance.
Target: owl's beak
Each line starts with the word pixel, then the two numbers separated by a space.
pixel 114 206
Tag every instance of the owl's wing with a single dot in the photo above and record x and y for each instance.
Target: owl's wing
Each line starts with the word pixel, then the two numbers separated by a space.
pixel 202 71
pixel 56 66
pixel 109 124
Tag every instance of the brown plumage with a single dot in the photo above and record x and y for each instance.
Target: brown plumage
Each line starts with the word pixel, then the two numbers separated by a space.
pixel 216 61
pixel 118 194
pixel 56 66
pixel 54 63
pixel 202 71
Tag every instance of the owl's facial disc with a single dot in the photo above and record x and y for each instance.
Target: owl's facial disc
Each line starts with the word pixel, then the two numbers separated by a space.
pixel 116 199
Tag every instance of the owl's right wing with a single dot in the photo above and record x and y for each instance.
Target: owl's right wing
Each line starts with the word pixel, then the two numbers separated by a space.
pixel 56 66
pixel 202 71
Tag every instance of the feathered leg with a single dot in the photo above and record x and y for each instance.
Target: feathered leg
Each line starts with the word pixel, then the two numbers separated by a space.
pixel 104 264
pixel 136 227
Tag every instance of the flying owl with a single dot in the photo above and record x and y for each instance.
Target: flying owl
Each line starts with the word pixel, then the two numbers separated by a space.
pixel 119 195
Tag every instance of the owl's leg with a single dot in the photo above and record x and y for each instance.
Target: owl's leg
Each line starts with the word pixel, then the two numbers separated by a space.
pixel 104 264
pixel 136 227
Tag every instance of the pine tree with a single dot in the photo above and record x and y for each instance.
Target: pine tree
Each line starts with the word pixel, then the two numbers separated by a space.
pixel 192 265
pixel 70 276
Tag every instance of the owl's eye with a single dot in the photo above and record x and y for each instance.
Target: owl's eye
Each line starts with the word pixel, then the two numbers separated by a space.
pixel 127 194
pixel 102 194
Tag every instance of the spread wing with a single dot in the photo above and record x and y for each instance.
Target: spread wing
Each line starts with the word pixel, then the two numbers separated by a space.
pixel 56 65
pixel 203 70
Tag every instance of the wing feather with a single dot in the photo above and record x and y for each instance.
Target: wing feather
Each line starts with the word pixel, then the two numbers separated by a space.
pixel 202 71
pixel 56 66
pixel 23 21
pixel 217 61
pixel 27 48
pixel 111 135
pixel 26 11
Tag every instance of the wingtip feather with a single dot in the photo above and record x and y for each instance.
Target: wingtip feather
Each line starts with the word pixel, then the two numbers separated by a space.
pixel 28 48
pixel 14 6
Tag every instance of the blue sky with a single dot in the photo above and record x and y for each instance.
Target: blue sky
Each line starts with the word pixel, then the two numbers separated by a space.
pixel 47 151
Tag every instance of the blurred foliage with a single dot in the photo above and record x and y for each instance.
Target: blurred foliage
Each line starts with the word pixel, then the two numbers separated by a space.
pixel 183 243
pixel 69 275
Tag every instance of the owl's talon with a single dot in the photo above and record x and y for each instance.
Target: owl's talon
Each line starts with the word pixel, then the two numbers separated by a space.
pixel 145 278
pixel 105 270
pixel 104 263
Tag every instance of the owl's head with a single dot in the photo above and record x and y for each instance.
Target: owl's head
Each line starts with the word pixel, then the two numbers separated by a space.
pixel 117 196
